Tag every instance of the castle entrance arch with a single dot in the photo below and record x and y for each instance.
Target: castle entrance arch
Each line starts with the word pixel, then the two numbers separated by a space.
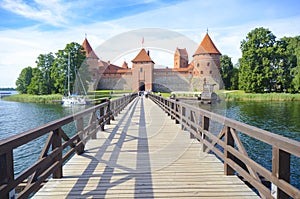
pixel 142 86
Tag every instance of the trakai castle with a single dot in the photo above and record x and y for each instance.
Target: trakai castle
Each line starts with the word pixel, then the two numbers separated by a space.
pixel 184 76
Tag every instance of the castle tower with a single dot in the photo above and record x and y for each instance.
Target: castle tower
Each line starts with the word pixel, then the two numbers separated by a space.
pixel 181 58
pixel 142 71
pixel 206 61
pixel 92 61
pixel 91 58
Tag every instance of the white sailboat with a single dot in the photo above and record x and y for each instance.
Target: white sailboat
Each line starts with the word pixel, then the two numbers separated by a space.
pixel 73 99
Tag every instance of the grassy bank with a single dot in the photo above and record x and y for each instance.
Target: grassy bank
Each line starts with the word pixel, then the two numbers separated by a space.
pixel 242 96
pixel 48 99
pixel 45 99
pixel 227 95
pixel 107 93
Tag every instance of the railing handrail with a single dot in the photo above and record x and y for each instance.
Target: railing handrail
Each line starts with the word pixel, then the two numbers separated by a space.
pixel 15 141
pixel 284 143
pixel 197 122
pixel 51 160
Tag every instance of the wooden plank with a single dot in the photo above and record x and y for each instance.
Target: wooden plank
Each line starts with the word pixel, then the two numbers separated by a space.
pixel 143 154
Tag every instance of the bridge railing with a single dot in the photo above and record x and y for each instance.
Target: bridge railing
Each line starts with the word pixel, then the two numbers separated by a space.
pixel 227 145
pixel 58 148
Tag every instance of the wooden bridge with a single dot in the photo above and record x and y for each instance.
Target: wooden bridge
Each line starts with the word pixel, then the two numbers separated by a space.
pixel 136 147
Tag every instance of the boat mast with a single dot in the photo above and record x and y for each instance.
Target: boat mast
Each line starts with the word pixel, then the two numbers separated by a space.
pixel 69 93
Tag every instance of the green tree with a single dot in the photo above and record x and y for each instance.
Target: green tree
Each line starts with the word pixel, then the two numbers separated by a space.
pixel 45 63
pixel 38 85
pixel 234 80
pixel 24 80
pixel 293 60
pixel 59 71
pixel 258 61
pixel 226 70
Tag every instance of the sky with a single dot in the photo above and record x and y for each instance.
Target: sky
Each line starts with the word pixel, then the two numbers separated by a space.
pixel 32 27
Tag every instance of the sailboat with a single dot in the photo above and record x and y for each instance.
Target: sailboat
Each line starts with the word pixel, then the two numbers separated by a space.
pixel 73 99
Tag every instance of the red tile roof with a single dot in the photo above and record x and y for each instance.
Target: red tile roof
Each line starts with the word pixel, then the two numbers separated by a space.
pixel 207 46
pixel 142 57
pixel 89 52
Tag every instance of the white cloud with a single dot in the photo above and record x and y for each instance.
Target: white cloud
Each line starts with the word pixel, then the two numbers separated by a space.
pixel 49 12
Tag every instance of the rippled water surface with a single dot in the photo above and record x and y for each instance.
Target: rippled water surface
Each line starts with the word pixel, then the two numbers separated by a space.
pixel 281 118
pixel 16 117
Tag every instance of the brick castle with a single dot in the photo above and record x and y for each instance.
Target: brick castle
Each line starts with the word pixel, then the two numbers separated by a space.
pixel 183 76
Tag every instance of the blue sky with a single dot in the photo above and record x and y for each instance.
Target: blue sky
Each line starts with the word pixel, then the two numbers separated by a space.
pixel 30 28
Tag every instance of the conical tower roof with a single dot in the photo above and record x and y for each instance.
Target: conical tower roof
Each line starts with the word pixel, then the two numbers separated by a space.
pixel 142 57
pixel 88 49
pixel 207 46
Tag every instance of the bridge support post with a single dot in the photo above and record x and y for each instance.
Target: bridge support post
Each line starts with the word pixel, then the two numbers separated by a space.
pixel 205 127
pixel 101 122
pixel 6 171
pixel 229 141
pixel 281 170
pixel 80 127
pixel 112 108
pixel 56 142
pixel 177 112
pixel 108 111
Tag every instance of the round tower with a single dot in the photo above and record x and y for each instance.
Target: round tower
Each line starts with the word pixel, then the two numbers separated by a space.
pixel 206 61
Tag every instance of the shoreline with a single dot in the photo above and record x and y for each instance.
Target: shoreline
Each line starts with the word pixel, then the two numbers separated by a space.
pixel 42 99
pixel 242 96
pixel 226 95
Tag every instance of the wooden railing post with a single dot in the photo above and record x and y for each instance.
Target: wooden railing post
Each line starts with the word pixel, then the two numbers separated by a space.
pixel 205 126
pixel 6 171
pixel 192 119
pixel 172 110
pixel 108 111
pixel 229 141
pixel 80 127
pixel 112 110
pixel 168 108
pixel 281 170
pixel 177 112
pixel 101 121
pixel 56 142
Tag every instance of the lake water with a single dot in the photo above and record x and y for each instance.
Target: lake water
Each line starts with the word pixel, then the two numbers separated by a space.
pixel 17 117
pixel 278 117
pixel 282 118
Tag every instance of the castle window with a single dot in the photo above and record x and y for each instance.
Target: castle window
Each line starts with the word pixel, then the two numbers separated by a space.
pixel 210 72
pixel 198 64
pixel 201 72
pixel 208 63
pixel 141 70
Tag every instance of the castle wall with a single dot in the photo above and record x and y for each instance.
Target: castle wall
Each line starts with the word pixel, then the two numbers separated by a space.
pixel 115 83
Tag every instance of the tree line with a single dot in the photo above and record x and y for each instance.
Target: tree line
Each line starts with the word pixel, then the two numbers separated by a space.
pixel 50 74
pixel 267 64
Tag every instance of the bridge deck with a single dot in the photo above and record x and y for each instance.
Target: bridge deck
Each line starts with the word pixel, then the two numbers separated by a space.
pixel 144 154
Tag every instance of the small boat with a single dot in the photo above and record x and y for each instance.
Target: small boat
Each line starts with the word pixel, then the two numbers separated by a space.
pixel 73 99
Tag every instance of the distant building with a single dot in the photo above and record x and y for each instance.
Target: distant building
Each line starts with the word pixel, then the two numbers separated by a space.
pixel 184 76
